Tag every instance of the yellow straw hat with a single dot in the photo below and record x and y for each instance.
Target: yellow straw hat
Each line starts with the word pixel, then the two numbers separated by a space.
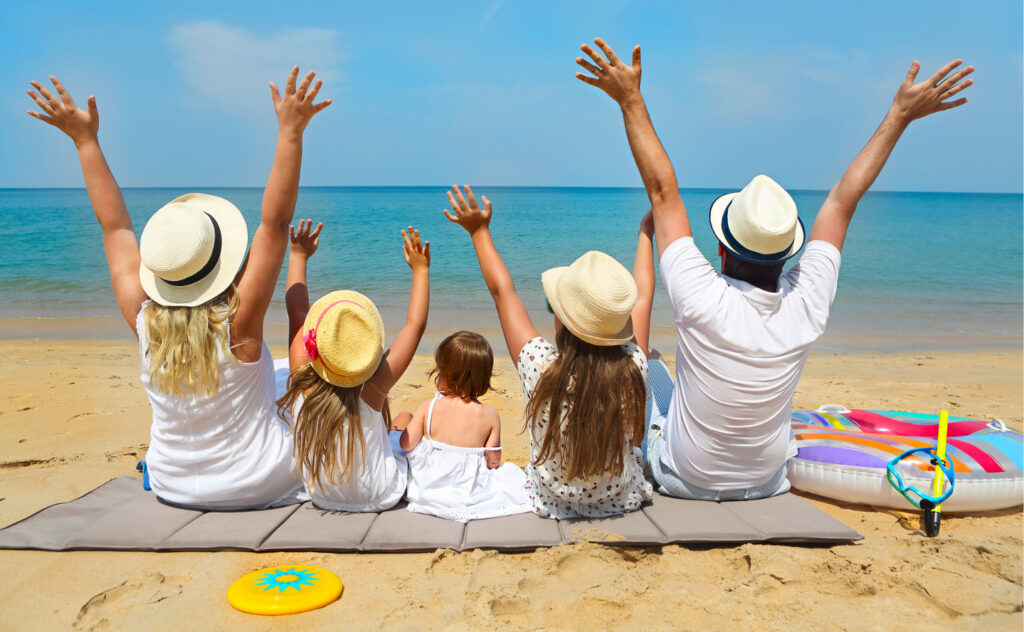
pixel 593 298
pixel 344 338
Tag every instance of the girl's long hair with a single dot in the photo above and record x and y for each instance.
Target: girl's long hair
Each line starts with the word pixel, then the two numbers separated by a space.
pixel 327 426
pixel 182 344
pixel 606 398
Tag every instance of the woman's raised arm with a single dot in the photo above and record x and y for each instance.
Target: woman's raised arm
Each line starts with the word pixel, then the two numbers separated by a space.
pixel 119 241
pixel 259 274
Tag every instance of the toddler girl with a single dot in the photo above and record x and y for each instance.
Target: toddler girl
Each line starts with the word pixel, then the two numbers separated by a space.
pixel 454 441
pixel 337 391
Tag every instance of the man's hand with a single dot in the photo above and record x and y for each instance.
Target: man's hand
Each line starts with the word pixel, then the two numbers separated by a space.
pixel 417 253
pixel 468 214
pixel 304 241
pixel 619 81
pixel 296 108
pixel 914 101
pixel 63 114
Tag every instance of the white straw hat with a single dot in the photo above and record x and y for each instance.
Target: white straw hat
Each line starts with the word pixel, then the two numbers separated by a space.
pixel 344 338
pixel 191 250
pixel 758 224
pixel 593 298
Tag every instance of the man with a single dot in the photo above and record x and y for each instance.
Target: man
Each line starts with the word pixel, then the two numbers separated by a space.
pixel 745 334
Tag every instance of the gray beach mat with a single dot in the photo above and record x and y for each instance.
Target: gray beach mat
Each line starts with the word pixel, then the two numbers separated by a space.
pixel 120 515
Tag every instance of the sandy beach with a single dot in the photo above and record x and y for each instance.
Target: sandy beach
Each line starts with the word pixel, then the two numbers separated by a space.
pixel 73 416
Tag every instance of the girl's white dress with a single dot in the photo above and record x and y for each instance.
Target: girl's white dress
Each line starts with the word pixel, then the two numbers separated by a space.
pixel 454 483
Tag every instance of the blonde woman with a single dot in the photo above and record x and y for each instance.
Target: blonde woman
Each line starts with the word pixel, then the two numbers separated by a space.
pixel 196 302
pixel 585 397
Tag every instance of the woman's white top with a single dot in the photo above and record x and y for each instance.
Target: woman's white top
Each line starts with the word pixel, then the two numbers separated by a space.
pixel 228 450
pixel 377 482
pixel 453 482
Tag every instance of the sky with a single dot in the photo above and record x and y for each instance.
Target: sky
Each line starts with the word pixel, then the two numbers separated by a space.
pixel 433 93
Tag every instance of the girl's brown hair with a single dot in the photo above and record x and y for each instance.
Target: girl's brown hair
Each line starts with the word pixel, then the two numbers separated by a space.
pixel 606 398
pixel 466 362
pixel 182 344
pixel 327 425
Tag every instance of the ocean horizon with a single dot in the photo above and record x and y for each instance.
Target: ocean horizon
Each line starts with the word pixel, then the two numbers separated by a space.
pixel 921 270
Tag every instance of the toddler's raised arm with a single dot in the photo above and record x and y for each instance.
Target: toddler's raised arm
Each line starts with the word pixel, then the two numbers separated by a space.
pixel 397 358
pixel 304 243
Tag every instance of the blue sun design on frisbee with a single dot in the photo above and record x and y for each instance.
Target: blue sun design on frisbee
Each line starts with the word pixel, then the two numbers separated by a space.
pixel 285 579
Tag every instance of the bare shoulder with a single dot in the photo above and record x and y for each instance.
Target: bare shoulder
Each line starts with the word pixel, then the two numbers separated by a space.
pixel 490 416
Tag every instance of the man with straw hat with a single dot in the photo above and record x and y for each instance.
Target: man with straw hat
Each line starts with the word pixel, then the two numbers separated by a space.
pixel 745 334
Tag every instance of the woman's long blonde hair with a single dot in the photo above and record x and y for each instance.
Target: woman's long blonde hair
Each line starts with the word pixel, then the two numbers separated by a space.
pixel 606 398
pixel 182 344
pixel 327 425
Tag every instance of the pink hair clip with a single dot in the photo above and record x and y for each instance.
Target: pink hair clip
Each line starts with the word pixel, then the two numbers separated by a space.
pixel 309 339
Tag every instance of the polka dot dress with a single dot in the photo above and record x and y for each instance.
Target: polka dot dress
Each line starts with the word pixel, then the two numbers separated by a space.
pixel 546 488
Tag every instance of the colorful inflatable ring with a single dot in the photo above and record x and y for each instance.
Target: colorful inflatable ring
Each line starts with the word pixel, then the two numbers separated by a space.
pixel 284 590
pixel 842 454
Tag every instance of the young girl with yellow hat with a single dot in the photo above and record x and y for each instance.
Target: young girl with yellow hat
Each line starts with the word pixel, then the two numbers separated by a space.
pixel 336 402
pixel 196 301
pixel 585 399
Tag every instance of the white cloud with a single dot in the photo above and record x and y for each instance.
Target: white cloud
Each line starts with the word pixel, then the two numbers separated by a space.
pixel 490 14
pixel 229 67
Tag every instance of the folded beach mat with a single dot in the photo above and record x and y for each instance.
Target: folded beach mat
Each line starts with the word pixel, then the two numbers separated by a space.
pixel 120 515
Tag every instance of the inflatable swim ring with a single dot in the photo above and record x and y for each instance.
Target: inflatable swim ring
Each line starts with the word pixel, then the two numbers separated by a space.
pixel 842 454
pixel 284 590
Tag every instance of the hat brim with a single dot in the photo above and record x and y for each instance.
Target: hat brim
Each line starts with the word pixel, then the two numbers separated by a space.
pixel 234 242
pixel 717 214
pixel 549 280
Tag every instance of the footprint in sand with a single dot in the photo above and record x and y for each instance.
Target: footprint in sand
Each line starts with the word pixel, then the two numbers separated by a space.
pixel 114 602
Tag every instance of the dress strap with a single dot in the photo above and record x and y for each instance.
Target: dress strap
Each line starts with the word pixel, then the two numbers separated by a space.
pixel 430 414
pixel 497 447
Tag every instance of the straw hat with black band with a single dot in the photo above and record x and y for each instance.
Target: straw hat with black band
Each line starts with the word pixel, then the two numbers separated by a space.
pixel 758 224
pixel 191 250
pixel 593 298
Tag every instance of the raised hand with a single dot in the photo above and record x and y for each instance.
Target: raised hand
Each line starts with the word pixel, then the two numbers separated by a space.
pixel 917 100
pixel 304 241
pixel 297 107
pixel 619 81
pixel 62 112
pixel 468 214
pixel 417 253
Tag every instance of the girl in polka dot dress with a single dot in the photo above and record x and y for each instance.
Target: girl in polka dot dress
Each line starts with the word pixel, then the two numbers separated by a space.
pixel 585 394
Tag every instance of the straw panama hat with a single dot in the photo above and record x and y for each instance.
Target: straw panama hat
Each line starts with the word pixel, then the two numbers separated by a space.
pixel 758 224
pixel 344 338
pixel 593 298
pixel 191 250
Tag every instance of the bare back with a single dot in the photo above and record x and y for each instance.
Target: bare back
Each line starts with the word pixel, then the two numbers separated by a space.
pixel 463 424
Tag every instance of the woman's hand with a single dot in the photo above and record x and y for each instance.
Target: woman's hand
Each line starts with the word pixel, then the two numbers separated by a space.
pixel 63 114
pixel 296 108
pixel 417 253
pixel 647 224
pixel 917 100
pixel 304 241
pixel 619 81
pixel 469 215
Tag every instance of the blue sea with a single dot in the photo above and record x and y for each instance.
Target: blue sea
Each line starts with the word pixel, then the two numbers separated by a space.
pixel 921 271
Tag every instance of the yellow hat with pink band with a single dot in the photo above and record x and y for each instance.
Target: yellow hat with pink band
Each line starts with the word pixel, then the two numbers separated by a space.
pixel 344 338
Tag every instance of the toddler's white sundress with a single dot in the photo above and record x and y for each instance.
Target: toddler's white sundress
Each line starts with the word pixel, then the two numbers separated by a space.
pixel 454 483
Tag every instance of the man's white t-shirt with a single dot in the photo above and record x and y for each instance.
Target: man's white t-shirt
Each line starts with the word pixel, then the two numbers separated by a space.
pixel 739 356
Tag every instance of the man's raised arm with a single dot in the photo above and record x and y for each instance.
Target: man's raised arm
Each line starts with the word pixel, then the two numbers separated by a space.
pixel 912 101
pixel 622 83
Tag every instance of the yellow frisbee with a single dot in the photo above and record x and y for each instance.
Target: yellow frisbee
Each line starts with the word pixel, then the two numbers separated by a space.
pixel 284 590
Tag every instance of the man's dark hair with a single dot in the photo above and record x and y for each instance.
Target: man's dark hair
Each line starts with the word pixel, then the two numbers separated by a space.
pixel 759 275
